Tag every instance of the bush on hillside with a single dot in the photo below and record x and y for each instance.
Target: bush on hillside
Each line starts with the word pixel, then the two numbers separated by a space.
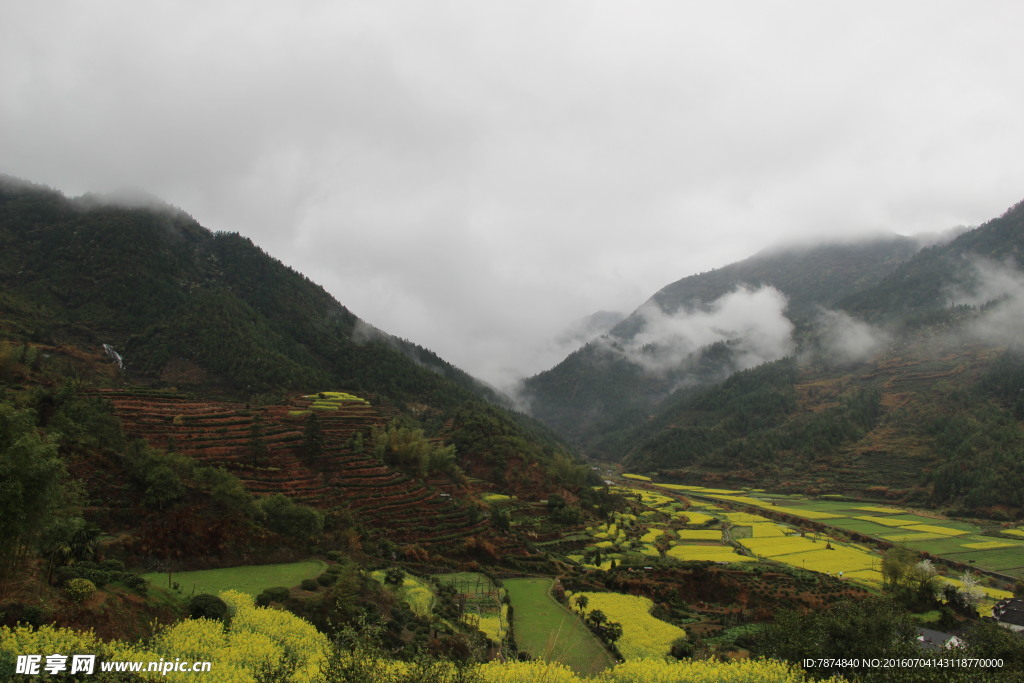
pixel 207 606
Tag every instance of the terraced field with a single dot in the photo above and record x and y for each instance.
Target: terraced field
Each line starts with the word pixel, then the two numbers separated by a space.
pixel 262 446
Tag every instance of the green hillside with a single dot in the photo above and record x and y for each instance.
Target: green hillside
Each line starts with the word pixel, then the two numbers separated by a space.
pixel 185 306
pixel 926 411
pixel 601 388
pixel 180 412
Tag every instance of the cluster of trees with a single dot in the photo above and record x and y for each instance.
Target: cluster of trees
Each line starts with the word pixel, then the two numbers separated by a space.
pixel 498 437
pixel 878 627
pixel 751 420
pixel 409 450
pixel 168 293
pixel 980 440
pixel 608 631
pixel 41 506
pixel 159 286
pixel 37 502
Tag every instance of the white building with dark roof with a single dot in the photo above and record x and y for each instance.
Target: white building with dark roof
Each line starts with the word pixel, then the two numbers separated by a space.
pixel 1009 613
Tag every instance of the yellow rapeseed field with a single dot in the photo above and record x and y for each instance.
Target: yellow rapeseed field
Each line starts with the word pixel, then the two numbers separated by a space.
pixel 700 534
pixel 707 553
pixel 643 636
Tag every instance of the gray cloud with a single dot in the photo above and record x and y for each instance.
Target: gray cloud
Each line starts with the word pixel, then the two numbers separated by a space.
pixel 471 176
pixel 997 289
pixel 752 321
pixel 845 339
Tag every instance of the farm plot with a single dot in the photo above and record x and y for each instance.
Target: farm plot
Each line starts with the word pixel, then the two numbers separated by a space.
pixel 696 518
pixel 469 583
pixel 823 555
pixel 940 545
pixel 806 513
pixel 332 400
pixel 999 559
pixel 744 518
pixel 700 534
pixel 879 510
pixel 911 519
pixel 481 602
pixel 549 631
pixel 251 579
pixel 771 547
pixel 887 521
pixel 706 553
pixel 906 537
pixel 768 530
pixel 868 528
pixel 935 529
pixel 958 540
pixel 414 590
pixel 988 545
pixel 839 559
pixel 643 636
pixel 652 535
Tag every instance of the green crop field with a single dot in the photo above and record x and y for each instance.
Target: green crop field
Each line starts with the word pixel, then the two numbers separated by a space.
pixel 252 579
pixel 962 526
pixel 941 545
pixel 548 630
pixel 997 560
pixel 864 527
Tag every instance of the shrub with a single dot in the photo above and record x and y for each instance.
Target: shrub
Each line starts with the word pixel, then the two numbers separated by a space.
pixel 309 585
pixel 326 579
pixel 682 648
pixel 79 590
pixel 108 571
pixel 277 593
pixel 20 613
pixel 286 517
pixel 207 606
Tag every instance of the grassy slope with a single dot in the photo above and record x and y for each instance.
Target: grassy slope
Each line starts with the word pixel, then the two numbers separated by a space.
pixel 547 630
pixel 252 579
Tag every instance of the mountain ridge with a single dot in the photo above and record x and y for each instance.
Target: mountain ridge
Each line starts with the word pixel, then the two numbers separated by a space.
pixel 900 374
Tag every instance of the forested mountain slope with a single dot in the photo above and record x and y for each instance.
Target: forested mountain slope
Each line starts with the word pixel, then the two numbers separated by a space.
pixel 976 268
pixel 689 332
pixel 210 313
pixel 904 383
pixel 191 307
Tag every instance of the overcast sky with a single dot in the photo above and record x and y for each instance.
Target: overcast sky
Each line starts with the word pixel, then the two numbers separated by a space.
pixel 476 176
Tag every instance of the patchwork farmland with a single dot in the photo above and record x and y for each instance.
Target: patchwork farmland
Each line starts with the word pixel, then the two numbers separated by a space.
pixel 816 534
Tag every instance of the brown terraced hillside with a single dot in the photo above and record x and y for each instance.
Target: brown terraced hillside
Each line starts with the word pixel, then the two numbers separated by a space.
pixel 265 447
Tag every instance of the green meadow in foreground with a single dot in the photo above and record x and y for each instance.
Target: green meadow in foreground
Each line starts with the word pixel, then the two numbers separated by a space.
pixel 251 579
pixel 549 631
